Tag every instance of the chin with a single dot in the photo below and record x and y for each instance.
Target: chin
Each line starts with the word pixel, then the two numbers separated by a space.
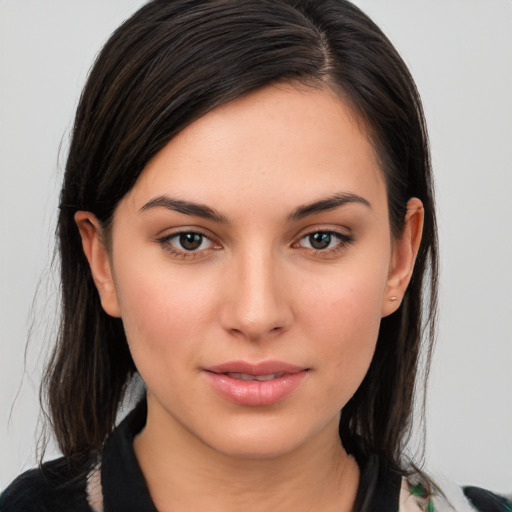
pixel 271 438
pixel 261 448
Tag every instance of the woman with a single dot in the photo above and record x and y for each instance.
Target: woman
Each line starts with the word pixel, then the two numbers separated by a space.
pixel 246 221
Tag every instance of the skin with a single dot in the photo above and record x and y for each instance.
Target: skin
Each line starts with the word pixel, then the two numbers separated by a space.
pixel 254 290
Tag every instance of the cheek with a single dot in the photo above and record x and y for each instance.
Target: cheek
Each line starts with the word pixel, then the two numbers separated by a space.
pixel 348 301
pixel 163 314
pixel 344 317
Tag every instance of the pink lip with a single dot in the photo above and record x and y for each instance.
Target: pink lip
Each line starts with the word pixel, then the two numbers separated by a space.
pixel 253 392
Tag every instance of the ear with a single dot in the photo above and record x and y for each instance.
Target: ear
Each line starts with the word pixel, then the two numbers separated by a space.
pixel 404 252
pixel 99 261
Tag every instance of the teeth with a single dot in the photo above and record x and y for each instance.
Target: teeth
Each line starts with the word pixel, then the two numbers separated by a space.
pixel 267 377
pixel 246 376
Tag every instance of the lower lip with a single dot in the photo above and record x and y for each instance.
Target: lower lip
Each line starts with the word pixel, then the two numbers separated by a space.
pixel 253 392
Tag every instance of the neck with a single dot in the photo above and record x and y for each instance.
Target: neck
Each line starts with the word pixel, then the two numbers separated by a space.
pixel 184 474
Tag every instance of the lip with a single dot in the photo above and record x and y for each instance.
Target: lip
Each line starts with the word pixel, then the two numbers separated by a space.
pixel 255 392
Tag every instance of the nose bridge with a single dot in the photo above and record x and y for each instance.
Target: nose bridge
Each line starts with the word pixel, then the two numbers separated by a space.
pixel 256 304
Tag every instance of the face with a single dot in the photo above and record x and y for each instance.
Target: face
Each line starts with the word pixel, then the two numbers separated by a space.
pixel 251 264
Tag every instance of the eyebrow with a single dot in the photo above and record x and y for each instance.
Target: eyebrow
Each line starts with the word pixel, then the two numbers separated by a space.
pixel 185 207
pixel 334 201
pixel 205 212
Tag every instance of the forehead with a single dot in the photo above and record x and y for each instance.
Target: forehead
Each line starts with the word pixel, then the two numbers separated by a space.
pixel 281 143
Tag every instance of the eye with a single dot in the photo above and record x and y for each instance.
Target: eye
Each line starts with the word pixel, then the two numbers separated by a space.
pixel 190 241
pixel 187 244
pixel 324 241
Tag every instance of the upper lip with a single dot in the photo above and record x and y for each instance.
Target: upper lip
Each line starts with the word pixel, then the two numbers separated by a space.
pixel 263 368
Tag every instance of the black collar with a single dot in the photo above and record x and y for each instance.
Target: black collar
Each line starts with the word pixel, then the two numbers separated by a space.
pixel 122 481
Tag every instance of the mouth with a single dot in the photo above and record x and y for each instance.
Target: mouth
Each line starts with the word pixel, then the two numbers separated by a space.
pixel 239 369
pixel 255 384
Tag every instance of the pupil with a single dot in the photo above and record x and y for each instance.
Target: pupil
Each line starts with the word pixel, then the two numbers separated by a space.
pixel 320 240
pixel 191 241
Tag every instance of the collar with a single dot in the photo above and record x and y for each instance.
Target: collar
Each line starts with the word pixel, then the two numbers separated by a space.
pixel 122 481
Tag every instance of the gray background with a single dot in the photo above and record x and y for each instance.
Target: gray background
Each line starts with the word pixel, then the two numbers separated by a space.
pixel 459 51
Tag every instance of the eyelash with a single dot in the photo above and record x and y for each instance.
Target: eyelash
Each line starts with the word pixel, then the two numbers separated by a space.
pixel 166 243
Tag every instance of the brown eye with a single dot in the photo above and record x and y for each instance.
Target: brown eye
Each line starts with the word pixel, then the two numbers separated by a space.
pixel 327 242
pixel 190 241
pixel 187 244
pixel 320 240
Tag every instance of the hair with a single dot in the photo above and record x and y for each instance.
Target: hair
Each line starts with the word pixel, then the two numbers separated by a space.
pixel 166 66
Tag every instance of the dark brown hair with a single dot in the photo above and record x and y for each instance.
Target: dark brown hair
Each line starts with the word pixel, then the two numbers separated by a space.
pixel 168 65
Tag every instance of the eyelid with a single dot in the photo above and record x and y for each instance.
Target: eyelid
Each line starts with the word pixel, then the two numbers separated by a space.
pixel 183 229
pixel 342 231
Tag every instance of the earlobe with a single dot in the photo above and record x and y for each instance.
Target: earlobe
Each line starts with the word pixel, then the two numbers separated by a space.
pixel 405 250
pixel 99 261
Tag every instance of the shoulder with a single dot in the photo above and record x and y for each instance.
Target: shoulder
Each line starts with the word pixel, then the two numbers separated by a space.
pixel 58 485
pixel 449 497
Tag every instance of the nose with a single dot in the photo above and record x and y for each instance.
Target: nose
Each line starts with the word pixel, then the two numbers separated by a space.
pixel 256 303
